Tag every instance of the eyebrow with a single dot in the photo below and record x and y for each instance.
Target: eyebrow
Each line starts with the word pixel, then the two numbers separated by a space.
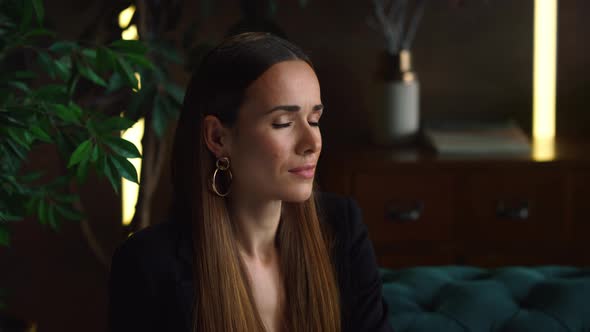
pixel 293 108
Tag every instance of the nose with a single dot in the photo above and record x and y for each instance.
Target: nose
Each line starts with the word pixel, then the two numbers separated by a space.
pixel 309 140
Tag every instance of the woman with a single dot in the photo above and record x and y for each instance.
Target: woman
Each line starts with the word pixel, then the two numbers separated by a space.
pixel 251 247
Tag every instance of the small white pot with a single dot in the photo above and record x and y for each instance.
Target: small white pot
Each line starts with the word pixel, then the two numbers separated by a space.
pixel 396 114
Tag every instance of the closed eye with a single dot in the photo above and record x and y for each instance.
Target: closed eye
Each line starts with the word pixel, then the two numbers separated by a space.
pixel 281 125
pixel 288 124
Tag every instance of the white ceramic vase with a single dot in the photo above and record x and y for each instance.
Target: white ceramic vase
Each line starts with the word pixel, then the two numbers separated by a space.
pixel 396 115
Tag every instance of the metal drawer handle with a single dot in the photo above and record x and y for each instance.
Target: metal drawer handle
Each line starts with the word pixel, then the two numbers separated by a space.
pixel 518 212
pixel 398 214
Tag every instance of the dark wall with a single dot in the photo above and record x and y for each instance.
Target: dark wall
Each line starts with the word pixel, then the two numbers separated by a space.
pixel 473 61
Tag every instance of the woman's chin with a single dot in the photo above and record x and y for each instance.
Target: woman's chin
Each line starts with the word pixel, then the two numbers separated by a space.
pixel 298 195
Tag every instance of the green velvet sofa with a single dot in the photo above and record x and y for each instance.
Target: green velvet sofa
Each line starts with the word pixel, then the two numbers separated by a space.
pixel 470 299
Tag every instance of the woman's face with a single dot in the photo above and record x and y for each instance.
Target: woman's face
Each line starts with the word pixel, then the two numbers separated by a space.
pixel 276 142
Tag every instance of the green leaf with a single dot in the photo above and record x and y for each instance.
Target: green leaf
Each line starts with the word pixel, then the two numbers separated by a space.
pixel 90 125
pixel 115 83
pixel 39 133
pixel 28 137
pixel 24 74
pixel 127 72
pixel 140 61
pixel 42 212
pixel 19 85
pixel 89 73
pixel 58 183
pixel 124 168
pixel 17 149
pixel 82 171
pixel 68 213
pixel 31 205
pixel 69 114
pixel 46 62
pixel 105 59
pixel 175 91
pixel 62 68
pixel 51 92
pixel 95 153
pixel 75 109
pixel 111 173
pixel 31 176
pixel 39 10
pixel 121 147
pixel 72 84
pixel 89 54
pixel 168 52
pixel 81 153
pixel 67 198
pixel 4 236
pixel 63 46
pixel 7 217
pixel 101 164
pixel 9 121
pixel 115 123
pixel 138 105
pixel 129 46
pixel 39 32
pixel 51 217
pixel 18 136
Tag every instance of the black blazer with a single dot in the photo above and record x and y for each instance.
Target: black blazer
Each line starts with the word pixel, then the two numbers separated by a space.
pixel 151 282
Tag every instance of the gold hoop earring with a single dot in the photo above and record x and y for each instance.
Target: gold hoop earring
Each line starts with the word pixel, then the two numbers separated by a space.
pixel 222 164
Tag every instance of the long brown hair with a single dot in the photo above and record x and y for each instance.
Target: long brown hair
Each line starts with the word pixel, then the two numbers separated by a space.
pixel 223 300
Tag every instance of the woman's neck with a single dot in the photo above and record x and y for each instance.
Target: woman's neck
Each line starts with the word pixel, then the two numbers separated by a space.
pixel 256 224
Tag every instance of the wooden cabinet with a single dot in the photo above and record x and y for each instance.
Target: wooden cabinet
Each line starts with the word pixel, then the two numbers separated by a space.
pixel 403 211
pixel 422 209
pixel 580 183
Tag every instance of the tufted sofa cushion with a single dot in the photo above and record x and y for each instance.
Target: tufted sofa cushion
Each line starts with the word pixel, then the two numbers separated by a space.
pixel 460 298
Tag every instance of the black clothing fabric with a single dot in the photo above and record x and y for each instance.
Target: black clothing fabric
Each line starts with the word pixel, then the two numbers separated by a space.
pixel 151 287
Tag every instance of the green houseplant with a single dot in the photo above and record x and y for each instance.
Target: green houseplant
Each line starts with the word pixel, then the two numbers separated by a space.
pixel 73 97
pixel 46 98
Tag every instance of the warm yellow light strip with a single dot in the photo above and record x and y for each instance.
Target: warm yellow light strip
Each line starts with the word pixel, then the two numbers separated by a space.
pixel 544 149
pixel 130 33
pixel 138 78
pixel 125 16
pixel 544 63
pixel 130 190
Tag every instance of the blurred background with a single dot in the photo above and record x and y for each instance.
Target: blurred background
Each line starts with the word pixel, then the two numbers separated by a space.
pixel 474 62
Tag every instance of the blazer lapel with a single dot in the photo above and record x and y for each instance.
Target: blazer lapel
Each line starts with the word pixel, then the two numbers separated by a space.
pixel 184 284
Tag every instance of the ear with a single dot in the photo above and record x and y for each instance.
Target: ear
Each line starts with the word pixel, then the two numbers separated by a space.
pixel 217 137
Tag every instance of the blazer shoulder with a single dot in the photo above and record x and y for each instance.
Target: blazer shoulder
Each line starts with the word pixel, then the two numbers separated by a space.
pixel 150 245
pixel 341 213
pixel 332 205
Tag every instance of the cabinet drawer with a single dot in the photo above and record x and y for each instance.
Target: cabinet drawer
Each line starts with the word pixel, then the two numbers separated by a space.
pixel 511 207
pixel 581 207
pixel 405 207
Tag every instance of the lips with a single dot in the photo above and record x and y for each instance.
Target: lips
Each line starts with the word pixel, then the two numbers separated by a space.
pixel 306 171
pixel 302 168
